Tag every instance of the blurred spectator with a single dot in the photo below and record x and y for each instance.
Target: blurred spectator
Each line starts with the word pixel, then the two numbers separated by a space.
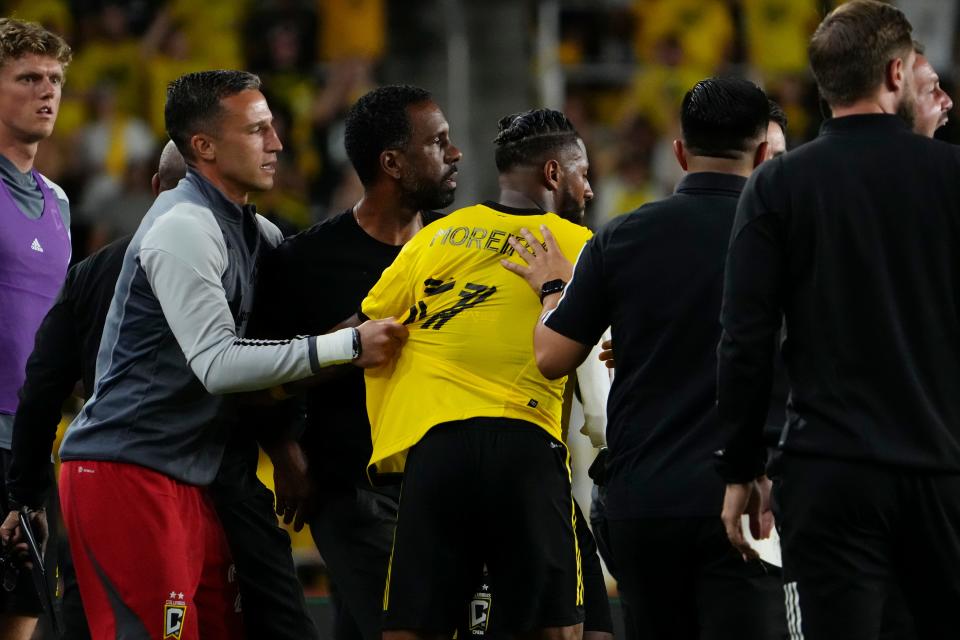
pixel 659 85
pixel 114 138
pixel 110 55
pixel 777 32
pixel 630 184
pixel 109 148
pixel 212 29
pixel 113 207
pixel 352 29
pixel 166 54
pixel 701 29
pixel 53 15
pixel 335 185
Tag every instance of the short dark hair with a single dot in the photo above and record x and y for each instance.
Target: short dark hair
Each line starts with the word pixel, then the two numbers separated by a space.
pixel 851 48
pixel 526 138
pixel 379 121
pixel 722 117
pixel 777 115
pixel 193 102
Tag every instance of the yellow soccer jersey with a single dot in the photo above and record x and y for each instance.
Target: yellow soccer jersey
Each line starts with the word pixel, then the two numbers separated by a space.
pixel 470 351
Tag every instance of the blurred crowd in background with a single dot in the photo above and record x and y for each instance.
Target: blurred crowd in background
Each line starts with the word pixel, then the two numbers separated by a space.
pixel 625 67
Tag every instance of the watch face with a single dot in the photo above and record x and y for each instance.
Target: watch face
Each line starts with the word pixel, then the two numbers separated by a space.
pixel 550 287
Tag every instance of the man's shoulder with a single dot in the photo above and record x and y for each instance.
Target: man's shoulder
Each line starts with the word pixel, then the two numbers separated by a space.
pixel 329 230
pixel 269 231
pixel 57 189
pixel 646 215
pixel 177 223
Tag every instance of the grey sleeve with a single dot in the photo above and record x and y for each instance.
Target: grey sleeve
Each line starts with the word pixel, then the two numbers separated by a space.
pixel 62 201
pixel 270 231
pixel 184 257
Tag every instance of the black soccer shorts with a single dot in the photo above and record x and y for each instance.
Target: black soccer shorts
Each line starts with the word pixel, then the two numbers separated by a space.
pixel 491 491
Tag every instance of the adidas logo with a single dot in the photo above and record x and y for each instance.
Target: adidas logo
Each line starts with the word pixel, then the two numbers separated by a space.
pixel 36 246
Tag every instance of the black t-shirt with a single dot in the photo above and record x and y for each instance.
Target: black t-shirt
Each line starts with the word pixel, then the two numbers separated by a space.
pixel 655 276
pixel 309 284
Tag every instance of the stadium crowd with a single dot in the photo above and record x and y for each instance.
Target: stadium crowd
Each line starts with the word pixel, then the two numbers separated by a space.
pixel 406 369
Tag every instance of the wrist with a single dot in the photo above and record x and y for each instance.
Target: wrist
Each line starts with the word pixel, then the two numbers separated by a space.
pixel 551 288
pixel 357 344
pixel 332 348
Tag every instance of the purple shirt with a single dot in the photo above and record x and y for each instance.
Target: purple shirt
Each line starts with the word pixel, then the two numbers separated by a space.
pixel 34 255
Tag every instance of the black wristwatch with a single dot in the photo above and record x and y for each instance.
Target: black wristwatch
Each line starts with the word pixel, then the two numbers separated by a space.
pixel 357 344
pixel 551 286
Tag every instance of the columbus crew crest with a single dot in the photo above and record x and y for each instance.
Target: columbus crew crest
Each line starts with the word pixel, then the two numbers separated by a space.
pixel 479 613
pixel 174 615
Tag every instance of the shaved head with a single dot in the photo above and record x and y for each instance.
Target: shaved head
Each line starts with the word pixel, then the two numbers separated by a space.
pixel 170 169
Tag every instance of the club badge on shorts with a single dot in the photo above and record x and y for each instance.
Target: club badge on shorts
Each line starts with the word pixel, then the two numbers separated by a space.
pixel 479 614
pixel 174 614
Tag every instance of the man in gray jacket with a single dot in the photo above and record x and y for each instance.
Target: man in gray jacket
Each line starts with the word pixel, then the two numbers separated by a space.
pixel 152 435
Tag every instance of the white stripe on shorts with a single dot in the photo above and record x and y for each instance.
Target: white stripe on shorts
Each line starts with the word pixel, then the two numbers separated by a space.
pixel 794 619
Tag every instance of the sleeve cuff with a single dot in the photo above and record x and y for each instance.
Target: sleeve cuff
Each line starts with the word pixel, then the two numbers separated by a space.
pixel 740 467
pixel 332 348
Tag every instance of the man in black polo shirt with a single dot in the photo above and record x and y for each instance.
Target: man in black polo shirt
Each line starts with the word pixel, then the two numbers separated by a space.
pixel 655 276
pixel 398 141
pixel 852 238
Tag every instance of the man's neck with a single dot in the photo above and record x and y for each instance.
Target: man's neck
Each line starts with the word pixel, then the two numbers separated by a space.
pixel 232 194
pixel 873 104
pixel 387 220
pixel 701 164
pixel 511 196
pixel 20 154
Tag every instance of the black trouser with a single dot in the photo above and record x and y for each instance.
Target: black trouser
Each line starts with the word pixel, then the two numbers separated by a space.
pixel 850 529
pixel 682 580
pixel 272 597
pixel 601 533
pixel 353 530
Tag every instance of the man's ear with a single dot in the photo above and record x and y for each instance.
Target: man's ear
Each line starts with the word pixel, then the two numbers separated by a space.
pixel 155 184
pixel 895 74
pixel 680 154
pixel 551 174
pixel 391 162
pixel 760 154
pixel 204 147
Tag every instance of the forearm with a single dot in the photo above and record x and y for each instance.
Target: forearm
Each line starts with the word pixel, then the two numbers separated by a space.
pixel 195 307
pixel 593 380
pixel 51 374
pixel 277 424
pixel 750 318
pixel 556 354
pixel 743 391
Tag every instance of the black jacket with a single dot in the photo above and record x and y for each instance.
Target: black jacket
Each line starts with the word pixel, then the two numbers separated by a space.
pixel 855 239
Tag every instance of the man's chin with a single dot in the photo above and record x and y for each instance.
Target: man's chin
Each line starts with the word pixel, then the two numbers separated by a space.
pixel 442 200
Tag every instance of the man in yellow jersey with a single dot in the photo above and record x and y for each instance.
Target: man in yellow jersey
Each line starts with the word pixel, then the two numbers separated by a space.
pixel 466 416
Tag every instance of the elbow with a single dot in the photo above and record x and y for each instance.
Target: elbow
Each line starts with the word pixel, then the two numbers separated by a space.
pixel 548 365
pixel 213 379
pixel 215 386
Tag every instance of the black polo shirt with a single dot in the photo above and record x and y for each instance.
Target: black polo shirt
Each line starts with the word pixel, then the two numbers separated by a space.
pixel 855 239
pixel 655 277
